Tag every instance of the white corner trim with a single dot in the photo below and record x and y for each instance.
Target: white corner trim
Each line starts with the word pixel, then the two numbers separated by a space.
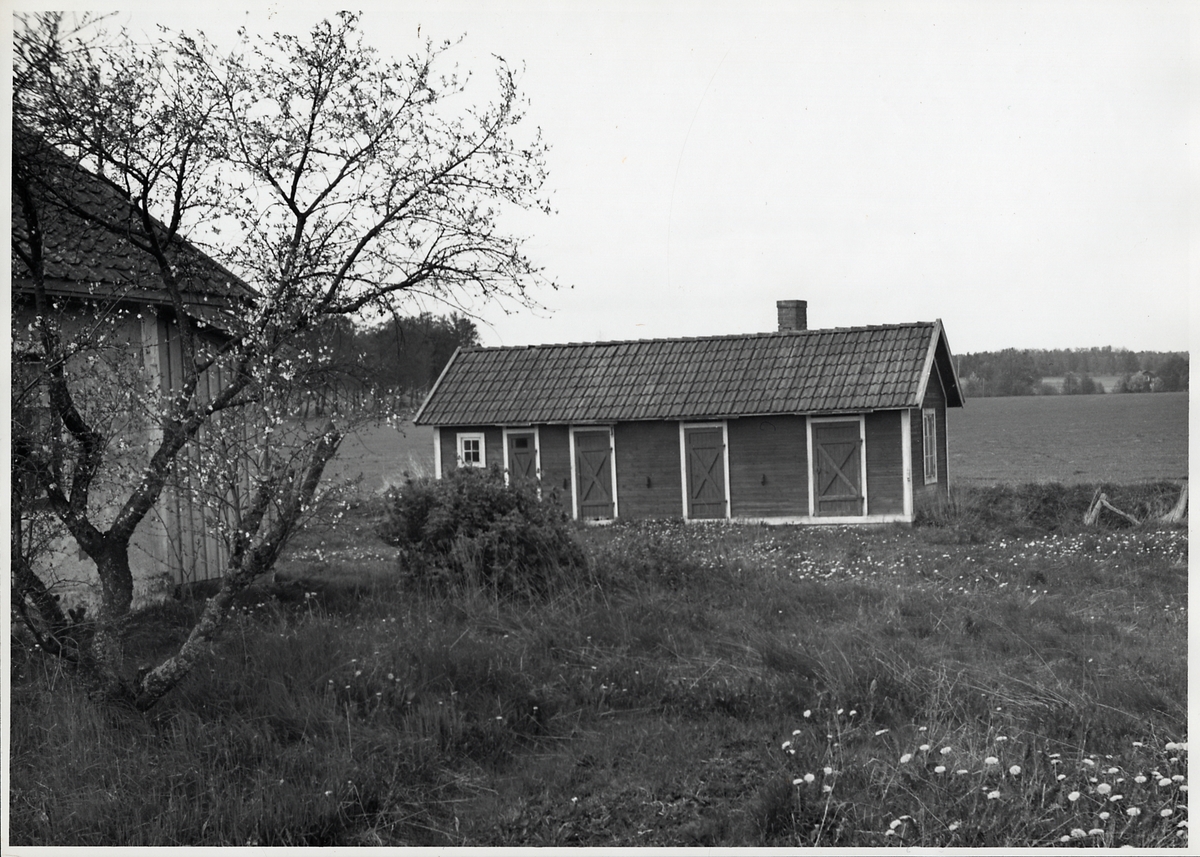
pixel 437 452
pixel 906 455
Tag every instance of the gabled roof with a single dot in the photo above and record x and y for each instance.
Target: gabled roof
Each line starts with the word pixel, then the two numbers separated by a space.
pixel 85 259
pixel 790 372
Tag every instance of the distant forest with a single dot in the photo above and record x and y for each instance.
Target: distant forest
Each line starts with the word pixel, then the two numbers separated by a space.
pixel 1038 372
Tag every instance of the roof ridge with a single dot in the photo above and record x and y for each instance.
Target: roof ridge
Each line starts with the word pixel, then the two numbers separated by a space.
pixel 717 336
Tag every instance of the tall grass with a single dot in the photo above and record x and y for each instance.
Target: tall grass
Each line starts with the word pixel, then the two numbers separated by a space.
pixel 682 692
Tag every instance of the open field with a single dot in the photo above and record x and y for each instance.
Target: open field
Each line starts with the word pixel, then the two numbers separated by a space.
pixel 1122 438
pixel 995 676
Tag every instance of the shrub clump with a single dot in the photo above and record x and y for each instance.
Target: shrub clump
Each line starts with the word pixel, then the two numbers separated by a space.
pixel 470 529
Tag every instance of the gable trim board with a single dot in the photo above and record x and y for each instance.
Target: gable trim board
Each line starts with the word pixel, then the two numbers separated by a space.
pixel 811 426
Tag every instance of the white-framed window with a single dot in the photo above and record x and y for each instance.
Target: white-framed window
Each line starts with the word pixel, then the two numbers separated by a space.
pixel 929 444
pixel 471 451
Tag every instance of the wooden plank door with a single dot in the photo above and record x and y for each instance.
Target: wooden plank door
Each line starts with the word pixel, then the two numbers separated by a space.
pixel 522 457
pixel 705 455
pixel 593 474
pixel 837 468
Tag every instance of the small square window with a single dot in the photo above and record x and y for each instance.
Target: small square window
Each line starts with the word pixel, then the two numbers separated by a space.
pixel 471 450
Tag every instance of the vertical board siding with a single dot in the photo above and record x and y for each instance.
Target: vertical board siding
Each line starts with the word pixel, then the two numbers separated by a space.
pixel 885 463
pixel 556 463
pixel 768 467
pixel 648 469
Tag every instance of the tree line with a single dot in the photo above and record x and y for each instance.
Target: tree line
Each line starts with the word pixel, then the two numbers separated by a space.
pixel 1024 372
pixel 384 368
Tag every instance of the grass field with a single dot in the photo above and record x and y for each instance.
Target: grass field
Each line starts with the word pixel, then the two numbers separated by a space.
pixel 1121 438
pixel 995 676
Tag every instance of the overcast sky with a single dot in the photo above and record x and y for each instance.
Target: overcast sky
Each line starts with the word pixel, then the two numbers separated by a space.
pixel 1023 171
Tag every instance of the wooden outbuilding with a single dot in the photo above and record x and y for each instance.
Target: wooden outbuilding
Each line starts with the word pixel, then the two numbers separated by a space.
pixel 835 426
pixel 103 285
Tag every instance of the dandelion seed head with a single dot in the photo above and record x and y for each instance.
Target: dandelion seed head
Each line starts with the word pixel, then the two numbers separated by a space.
pixel 1095 831
pixel 940 769
pixel 992 795
pixel 946 751
pixel 1077 833
pixel 1133 812
pixel 1104 788
pixel 1073 796
pixel 1166 812
pixel 991 760
pixel 809 778
pixel 1104 816
pixel 924 748
pixel 906 758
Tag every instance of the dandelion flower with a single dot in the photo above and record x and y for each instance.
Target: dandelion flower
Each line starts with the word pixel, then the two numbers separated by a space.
pixel 809 778
pixel 1138 744
pixel 954 825
pixel 923 729
pixel 1133 812
pixel 991 760
pixel 1178 778
pixel 1078 833
pixel 1073 796
pixel 993 795
pixel 1061 777
pixel 1115 798
pixel 1113 771
pixel 1166 812
pixel 1064 838
pixel 946 751
pixel 1015 770
pixel 828 771
pixel 840 710
pixel 807 713
pixel 786 744
pixel 1164 782
pixel 795 732
pixel 853 712
pixel 961 771
pixel 1104 816
pixel 1090 763
pixel 1000 739
pixel 906 758
pixel 827 788
pixel 1095 831
pixel 1139 779
pixel 895 823
pixel 940 769
pixel 797 781
pixel 924 748
pixel 889 833
pixel 1103 788
pixel 879 732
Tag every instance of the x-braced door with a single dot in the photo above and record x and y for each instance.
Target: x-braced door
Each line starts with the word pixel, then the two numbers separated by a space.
pixel 593 474
pixel 705 454
pixel 837 468
pixel 522 457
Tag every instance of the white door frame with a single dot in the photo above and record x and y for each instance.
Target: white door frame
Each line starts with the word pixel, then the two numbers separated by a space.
pixel 723 425
pixel 861 419
pixel 612 466
pixel 537 450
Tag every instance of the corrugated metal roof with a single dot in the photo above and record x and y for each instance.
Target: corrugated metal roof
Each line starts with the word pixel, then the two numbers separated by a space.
pixel 790 372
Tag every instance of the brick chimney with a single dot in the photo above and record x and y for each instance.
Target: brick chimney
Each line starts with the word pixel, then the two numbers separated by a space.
pixel 793 315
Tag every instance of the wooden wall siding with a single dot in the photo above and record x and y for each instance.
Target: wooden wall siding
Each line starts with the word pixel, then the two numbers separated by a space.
pixel 195 550
pixel 648 482
pixel 556 462
pixel 768 467
pixel 885 463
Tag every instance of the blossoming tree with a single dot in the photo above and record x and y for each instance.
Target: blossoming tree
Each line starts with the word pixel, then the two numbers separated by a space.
pixel 336 183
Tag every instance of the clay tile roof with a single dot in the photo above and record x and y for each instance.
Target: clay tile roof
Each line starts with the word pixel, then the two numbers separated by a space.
pixel 83 258
pixel 790 372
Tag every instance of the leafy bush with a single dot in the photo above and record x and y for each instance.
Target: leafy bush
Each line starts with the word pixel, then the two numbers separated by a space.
pixel 470 529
